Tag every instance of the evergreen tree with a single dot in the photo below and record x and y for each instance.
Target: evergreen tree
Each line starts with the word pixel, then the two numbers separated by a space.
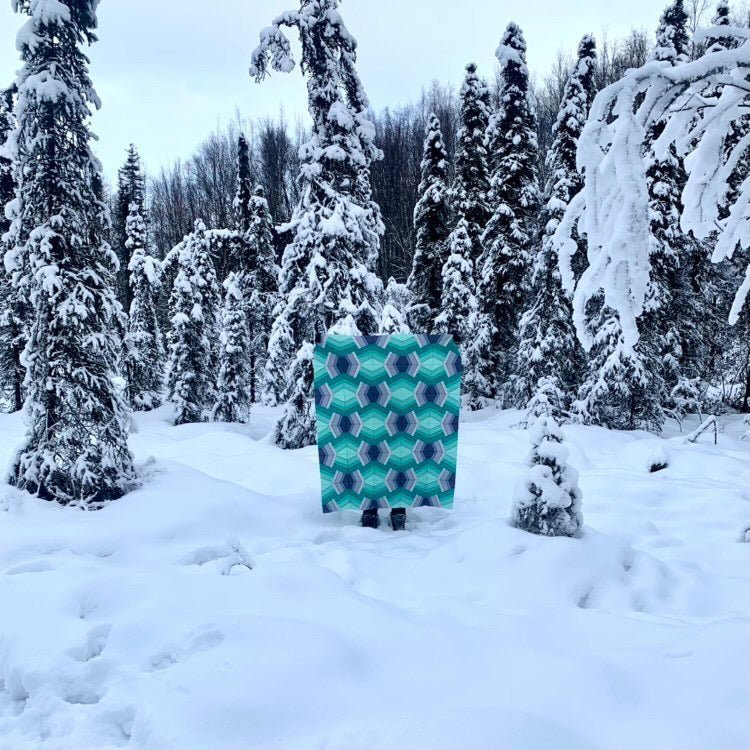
pixel 548 501
pixel 635 382
pixel 7 126
pixel 194 303
pixel 431 225
pixel 14 309
pixel 477 353
pixel 336 227
pixel 510 233
pixel 461 317
pixel 251 260
pixel 393 321
pixel 669 304
pixel 549 351
pixel 715 348
pixel 131 188
pixel 233 399
pixel 458 301
pixel 143 345
pixel 721 18
pixel 76 443
pixel 619 391
pixel 296 428
pixel 259 284
pixel 471 183
pixel 546 401
pixel 276 376
pixel 398 302
pixel 241 203
pixel 627 387
pixel 672 38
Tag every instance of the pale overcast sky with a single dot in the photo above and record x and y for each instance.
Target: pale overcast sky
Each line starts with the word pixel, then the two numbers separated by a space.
pixel 169 71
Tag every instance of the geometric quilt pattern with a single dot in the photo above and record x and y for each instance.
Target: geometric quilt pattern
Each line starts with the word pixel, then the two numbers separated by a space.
pixel 387 412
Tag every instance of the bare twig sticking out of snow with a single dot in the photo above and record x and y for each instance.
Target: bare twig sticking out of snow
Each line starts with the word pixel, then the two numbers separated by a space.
pixel 707 423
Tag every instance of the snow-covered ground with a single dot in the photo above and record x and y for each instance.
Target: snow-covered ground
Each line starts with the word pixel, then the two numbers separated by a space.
pixel 122 628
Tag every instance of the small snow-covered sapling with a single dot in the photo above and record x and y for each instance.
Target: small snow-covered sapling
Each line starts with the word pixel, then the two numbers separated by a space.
pixel 547 501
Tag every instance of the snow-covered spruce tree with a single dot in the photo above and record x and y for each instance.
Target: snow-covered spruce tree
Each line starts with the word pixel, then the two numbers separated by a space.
pixel 471 182
pixel 431 225
pixel 476 385
pixel 14 308
pixel 548 348
pixel 280 355
pixel 233 390
pixel 76 444
pixel 241 203
pixel 461 317
pixel 669 309
pixel 392 321
pixel 7 126
pixel 194 304
pixel 336 227
pixel 672 39
pixel 511 232
pixel 228 250
pixel 627 387
pixel 296 428
pixel 547 501
pixel 259 284
pixel 143 344
pixel 398 303
pixel 619 390
pixel 458 301
pixel 131 188
pixel 547 400
pixel 720 18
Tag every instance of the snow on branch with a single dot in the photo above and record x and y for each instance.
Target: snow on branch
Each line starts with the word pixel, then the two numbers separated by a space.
pixel 704 107
pixel 707 424
pixel 274 47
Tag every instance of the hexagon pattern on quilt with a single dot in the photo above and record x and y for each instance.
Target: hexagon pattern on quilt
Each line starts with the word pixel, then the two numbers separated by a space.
pixel 387 416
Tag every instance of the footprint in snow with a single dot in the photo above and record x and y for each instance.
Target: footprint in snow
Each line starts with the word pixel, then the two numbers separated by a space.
pixel 96 641
pixel 32 566
pixel 120 723
pixel 201 639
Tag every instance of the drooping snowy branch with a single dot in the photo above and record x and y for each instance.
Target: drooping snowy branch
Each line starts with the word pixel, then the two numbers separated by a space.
pixel 702 102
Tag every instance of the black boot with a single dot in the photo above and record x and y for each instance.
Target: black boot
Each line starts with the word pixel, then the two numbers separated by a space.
pixel 370 519
pixel 398 519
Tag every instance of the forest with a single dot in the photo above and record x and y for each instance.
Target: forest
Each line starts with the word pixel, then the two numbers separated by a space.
pixel 577 245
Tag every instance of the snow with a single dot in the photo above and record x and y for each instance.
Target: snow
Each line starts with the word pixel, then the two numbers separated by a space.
pixel 217 607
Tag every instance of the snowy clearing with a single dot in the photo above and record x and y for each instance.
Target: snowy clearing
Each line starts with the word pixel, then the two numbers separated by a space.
pixel 122 628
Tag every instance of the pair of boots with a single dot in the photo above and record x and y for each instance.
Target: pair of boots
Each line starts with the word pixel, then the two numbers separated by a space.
pixel 371 520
